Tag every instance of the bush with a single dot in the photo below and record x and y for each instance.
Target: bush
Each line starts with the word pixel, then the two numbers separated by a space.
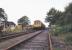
pixel 68 39
pixel 57 30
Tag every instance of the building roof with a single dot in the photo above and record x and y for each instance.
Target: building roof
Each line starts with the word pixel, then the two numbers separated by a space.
pixel 9 23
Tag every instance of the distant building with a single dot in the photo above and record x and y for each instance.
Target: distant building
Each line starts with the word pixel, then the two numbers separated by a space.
pixel 11 25
pixel 24 28
pixel 28 27
pixel 1 21
pixel 8 25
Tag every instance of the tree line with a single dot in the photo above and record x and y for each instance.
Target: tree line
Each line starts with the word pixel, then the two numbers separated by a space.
pixel 62 21
pixel 24 20
pixel 56 17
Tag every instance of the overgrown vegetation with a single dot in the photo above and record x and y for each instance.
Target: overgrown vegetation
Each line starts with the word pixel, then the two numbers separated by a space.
pixel 68 40
pixel 61 22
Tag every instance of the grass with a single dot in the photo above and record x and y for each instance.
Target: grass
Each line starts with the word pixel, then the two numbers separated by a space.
pixel 57 49
pixel 66 37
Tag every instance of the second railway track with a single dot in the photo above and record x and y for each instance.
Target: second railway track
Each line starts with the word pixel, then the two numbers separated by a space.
pixel 13 35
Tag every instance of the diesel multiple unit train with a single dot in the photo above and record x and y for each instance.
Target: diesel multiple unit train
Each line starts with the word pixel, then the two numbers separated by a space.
pixel 38 25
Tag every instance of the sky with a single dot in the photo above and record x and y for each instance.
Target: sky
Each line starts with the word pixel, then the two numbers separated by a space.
pixel 34 9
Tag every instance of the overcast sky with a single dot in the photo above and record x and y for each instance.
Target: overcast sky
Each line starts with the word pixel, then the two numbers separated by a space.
pixel 34 9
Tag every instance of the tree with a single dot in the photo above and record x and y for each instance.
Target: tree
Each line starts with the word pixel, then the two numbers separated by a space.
pixel 3 15
pixel 66 17
pixel 23 21
pixel 68 14
pixel 53 16
pixel 3 18
pixel 61 19
pixel 50 16
pixel 68 8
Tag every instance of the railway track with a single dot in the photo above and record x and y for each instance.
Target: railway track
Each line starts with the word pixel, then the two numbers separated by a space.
pixel 38 42
pixel 5 45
